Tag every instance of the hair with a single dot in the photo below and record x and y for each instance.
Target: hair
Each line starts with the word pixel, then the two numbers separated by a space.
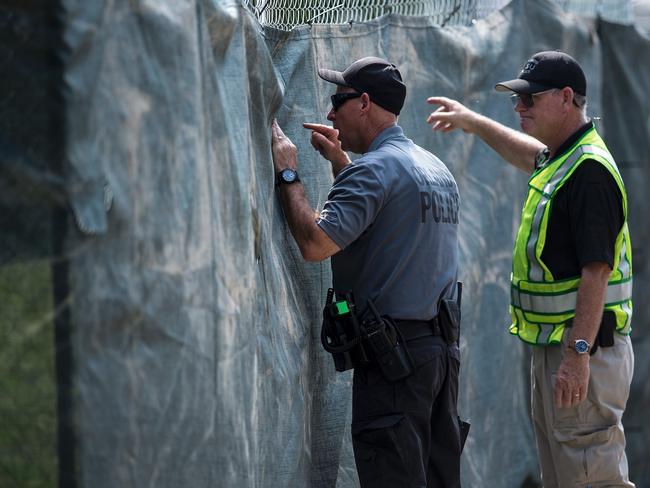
pixel 580 101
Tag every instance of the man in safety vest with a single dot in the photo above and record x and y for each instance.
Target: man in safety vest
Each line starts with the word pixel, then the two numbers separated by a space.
pixel 571 283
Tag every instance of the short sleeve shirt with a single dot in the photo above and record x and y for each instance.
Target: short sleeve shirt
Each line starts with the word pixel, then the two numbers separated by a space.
pixel 394 214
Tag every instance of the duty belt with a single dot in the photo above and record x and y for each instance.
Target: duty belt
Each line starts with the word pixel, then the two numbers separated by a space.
pixel 415 329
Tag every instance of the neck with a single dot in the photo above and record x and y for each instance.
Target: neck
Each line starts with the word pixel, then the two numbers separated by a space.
pixel 374 130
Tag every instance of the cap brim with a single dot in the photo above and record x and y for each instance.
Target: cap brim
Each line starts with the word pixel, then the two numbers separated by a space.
pixel 332 76
pixel 521 86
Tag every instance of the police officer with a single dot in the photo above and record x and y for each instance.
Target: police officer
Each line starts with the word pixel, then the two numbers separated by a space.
pixel 572 269
pixel 390 225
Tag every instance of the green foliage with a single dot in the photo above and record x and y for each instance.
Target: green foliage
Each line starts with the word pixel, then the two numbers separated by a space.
pixel 27 380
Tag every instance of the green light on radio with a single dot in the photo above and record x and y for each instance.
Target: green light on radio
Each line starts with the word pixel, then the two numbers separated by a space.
pixel 342 307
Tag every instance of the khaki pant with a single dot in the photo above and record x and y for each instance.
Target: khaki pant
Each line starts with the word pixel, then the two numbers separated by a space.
pixel 583 446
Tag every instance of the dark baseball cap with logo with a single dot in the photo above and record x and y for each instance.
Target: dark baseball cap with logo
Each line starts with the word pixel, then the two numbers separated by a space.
pixel 377 77
pixel 546 70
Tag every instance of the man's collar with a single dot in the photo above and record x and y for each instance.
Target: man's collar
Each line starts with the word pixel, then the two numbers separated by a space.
pixel 384 135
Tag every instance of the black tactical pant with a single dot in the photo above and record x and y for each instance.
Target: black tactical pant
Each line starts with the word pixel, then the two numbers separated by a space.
pixel 406 434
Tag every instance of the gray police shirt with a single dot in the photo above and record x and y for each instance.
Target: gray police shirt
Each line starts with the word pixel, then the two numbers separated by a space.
pixel 394 214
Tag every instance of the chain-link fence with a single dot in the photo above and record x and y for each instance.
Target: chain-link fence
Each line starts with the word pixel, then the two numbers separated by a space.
pixel 287 14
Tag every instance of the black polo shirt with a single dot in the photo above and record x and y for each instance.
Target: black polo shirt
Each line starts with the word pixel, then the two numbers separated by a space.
pixel 586 216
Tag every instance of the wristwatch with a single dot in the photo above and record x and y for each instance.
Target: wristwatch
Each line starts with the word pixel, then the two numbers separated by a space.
pixel 580 346
pixel 286 176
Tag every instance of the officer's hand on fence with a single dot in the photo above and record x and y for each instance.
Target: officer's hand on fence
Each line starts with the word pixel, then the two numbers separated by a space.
pixel 572 380
pixel 325 140
pixel 285 154
pixel 449 115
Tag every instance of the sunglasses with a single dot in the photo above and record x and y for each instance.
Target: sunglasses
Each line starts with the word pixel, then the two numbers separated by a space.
pixel 527 99
pixel 339 99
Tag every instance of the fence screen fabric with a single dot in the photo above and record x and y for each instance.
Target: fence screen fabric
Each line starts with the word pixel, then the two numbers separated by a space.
pixel 159 327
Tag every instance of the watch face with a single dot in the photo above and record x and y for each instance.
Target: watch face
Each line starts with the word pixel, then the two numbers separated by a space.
pixel 581 346
pixel 288 175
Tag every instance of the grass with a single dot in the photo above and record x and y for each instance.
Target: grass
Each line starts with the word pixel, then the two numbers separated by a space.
pixel 28 457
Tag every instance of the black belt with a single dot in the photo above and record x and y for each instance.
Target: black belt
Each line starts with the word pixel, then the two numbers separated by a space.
pixel 415 329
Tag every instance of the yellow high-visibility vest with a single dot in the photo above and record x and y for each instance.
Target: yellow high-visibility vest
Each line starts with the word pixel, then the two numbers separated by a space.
pixel 540 305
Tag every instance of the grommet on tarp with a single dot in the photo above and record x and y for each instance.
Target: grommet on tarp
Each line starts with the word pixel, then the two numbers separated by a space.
pixel 108 197
pixel 90 211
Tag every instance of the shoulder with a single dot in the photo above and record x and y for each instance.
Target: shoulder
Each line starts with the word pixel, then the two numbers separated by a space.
pixel 363 178
pixel 378 164
pixel 593 186
pixel 592 172
pixel 363 166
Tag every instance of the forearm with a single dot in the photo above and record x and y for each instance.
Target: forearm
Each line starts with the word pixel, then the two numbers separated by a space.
pixel 300 217
pixel 515 147
pixel 314 243
pixel 572 378
pixel 590 302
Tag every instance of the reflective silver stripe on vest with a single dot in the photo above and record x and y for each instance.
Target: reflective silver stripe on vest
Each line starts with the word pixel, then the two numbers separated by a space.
pixel 559 304
pixel 536 272
pixel 545 333
pixel 599 151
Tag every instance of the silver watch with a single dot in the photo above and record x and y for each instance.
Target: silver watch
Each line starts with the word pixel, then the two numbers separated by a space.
pixel 581 346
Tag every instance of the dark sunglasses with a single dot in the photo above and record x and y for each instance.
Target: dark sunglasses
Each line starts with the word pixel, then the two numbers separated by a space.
pixel 339 99
pixel 527 99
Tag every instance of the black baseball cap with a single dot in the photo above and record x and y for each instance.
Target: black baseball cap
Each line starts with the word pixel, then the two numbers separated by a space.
pixel 546 70
pixel 377 77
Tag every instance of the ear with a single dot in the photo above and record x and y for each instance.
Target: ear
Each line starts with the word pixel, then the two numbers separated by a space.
pixel 365 102
pixel 567 96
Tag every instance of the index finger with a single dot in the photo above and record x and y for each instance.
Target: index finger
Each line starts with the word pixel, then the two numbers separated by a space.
pixel 323 129
pixel 438 100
